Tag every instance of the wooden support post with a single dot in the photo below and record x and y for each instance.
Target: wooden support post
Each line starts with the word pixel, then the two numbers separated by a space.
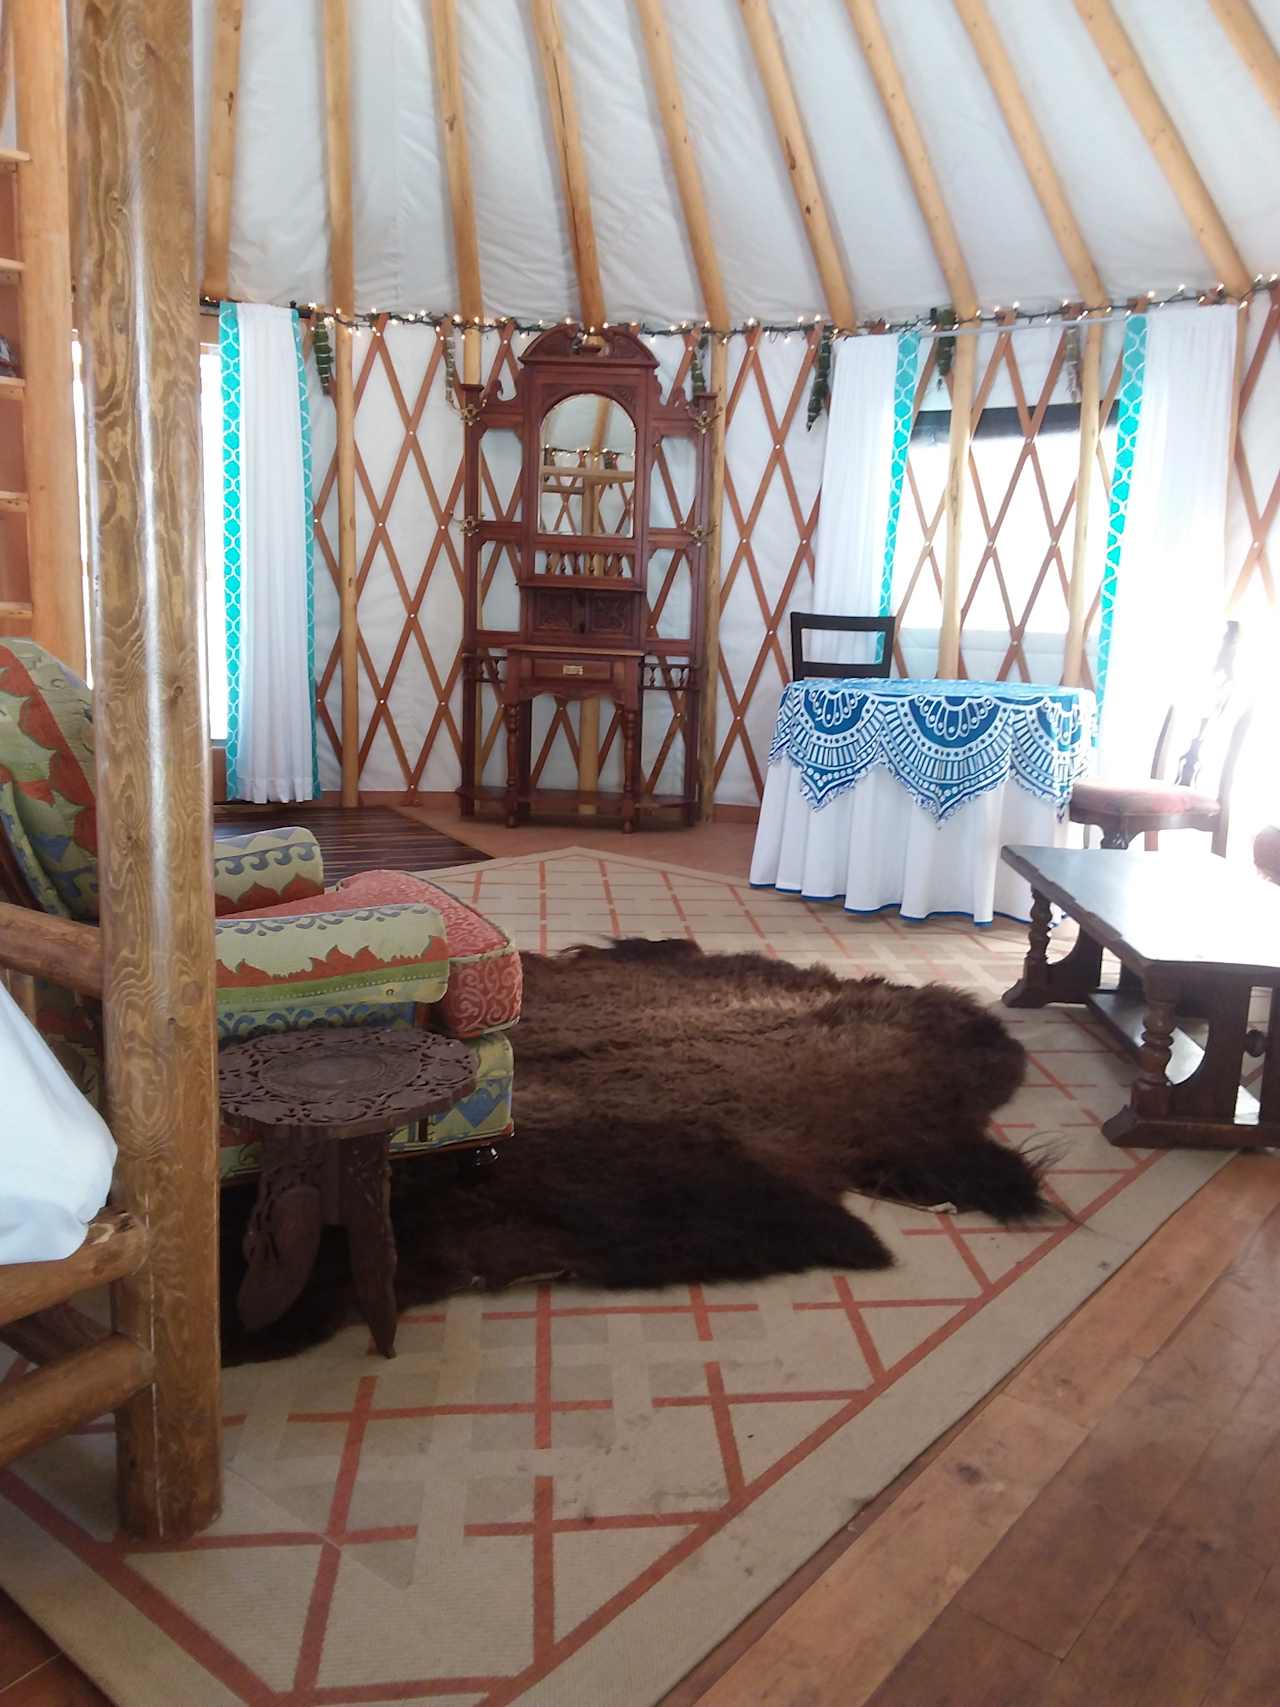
pixel 963 369
pixel 49 432
pixel 131 75
pixel 337 131
pixel 348 590
pixel 684 163
pixel 457 159
pixel 878 54
pixel 1090 405
pixel 1030 144
pixel 563 108
pixel 714 561
pixel 763 36
pixel 1171 152
pixel 222 147
pixel 1253 44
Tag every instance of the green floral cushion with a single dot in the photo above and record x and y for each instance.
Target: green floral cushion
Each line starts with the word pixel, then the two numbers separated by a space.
pixel 263 869
pixel 47 810
pixel 276 974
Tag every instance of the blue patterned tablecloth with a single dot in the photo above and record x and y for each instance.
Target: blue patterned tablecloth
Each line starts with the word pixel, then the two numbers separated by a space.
pixel 945 742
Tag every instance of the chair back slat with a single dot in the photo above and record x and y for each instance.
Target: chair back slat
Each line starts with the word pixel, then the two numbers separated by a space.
pixel 801 666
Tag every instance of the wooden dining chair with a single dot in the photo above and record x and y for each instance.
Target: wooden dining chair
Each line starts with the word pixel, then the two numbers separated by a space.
pixel 801 667
pixel 1125 810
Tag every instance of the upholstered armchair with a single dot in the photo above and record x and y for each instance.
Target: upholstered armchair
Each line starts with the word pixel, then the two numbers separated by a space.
pixel 381 948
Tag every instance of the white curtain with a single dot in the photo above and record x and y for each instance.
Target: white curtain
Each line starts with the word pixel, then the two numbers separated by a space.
pixel 1169 612
pixel 271 735
pixel 850 542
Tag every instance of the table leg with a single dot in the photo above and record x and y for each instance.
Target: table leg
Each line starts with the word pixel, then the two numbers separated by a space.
pixel 1151 1088
pixel 365 1189
pixel 283 1234
pixel 511 716
pixel 1070 979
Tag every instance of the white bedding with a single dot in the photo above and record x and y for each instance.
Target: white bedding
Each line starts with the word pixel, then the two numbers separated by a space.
pixel 56 1154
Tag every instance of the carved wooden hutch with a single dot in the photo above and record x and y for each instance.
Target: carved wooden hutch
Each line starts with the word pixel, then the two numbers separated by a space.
pixel 585 499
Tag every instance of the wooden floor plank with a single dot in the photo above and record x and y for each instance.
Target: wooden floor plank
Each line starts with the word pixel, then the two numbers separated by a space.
pixel 906 1569
pixel 1250 1676
pixel 962 1662
pixel 1095 1355
pixel 23 1646
pixel 371 838
pixel 1187 1431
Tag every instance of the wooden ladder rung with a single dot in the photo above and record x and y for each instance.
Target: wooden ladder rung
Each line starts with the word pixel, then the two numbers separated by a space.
pixel 64 1395
pixel 13 500
pixel 61 950
pixel 13 157
pixel 12 385
pixel 115 1245
pixel 15 610
pixel 9 265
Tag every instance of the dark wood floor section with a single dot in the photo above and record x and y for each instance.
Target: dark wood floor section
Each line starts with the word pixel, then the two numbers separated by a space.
pixel 372 838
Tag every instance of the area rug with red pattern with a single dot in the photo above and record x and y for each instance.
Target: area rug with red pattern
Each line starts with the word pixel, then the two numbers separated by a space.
pixel 565 1494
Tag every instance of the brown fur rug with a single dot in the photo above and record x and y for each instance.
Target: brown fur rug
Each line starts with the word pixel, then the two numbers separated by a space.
pixel 683 1117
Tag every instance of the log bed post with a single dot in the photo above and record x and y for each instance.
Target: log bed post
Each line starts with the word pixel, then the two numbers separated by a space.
pixel 131 78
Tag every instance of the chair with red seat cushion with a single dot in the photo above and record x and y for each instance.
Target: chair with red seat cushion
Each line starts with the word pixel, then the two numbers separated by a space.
pixel 1128 809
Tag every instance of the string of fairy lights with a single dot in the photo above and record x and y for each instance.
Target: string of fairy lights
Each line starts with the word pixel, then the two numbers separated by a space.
pixel 937 322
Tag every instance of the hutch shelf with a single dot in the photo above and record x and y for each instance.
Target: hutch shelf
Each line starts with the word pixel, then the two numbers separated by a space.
pixel 585 527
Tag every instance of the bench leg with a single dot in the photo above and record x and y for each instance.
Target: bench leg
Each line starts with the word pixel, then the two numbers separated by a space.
pixel 1071 979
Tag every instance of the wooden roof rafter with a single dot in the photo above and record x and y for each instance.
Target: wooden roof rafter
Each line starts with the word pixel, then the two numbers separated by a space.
pixel 1253 44
pixel 563 108
pixel 693 203
pixel 220 184
pixel 457 158
pixel 684 159
pixel 1032 150
pixel 1171 153
pixel 880 61
pixel 762 33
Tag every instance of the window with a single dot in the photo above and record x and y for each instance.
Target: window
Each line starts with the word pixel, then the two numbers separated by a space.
pixel 1018 525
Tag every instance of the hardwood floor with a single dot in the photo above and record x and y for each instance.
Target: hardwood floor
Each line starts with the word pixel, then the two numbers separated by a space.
pixel 1102 1531
pixel 1139 1567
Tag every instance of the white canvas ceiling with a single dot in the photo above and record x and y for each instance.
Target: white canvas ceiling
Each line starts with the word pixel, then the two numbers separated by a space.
pixel 1137 234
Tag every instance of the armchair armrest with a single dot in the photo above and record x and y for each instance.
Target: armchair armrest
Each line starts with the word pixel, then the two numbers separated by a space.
pixel 264 868
pixel 314 968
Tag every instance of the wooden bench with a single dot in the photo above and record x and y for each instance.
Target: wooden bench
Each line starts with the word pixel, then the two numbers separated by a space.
pixel 1191 933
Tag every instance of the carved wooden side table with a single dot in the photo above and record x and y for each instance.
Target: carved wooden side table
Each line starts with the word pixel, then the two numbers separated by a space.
pixel 325 1104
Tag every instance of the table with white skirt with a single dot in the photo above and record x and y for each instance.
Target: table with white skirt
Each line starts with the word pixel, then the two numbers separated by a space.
pixel 898 793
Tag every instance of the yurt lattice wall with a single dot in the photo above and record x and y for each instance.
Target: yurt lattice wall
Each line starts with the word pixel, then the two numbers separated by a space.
pixel 995 575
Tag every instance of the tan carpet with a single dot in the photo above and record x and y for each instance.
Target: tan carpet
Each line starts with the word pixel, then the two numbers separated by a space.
pixel 563 1498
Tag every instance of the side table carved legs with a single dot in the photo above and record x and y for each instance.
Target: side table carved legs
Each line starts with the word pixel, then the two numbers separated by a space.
pixel 306 1184
pixel 364 1208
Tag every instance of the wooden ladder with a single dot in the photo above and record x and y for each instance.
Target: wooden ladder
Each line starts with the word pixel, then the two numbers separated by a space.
pixel 41 572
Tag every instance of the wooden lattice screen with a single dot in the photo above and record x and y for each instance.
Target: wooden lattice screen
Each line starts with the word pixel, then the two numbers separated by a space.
pixel 1255 497
pixel 1014 569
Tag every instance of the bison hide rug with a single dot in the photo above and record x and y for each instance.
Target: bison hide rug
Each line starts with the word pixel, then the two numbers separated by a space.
pixel 684 1116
